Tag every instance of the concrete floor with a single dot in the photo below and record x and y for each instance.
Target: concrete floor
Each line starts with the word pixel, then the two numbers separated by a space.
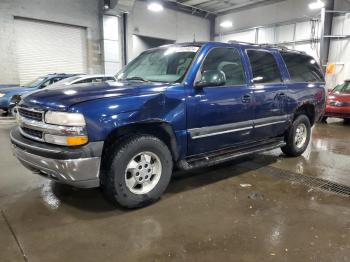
pixel 205 215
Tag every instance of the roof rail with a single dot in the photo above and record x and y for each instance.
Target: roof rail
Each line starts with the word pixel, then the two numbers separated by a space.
pixel 240 42
pixel 267 45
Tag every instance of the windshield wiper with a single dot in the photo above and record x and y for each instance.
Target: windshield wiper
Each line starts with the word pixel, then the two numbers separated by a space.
pixel 137 78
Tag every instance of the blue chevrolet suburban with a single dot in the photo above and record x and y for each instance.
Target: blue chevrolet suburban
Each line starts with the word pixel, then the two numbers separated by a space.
pixel 179 106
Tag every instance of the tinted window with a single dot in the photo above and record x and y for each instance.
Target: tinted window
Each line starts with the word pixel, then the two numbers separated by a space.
pixel 228 61
pixel 264 67
pixel 108 79
pixel 302 68
pixel 84 81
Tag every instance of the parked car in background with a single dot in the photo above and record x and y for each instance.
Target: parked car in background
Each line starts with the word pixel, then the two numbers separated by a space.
pixel 73 80
pixel 3 86
pixel 186 105
pixel 338 102
pixel 7 93
pixel 84 79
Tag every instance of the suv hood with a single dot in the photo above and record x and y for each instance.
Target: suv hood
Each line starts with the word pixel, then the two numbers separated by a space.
pixel 62 97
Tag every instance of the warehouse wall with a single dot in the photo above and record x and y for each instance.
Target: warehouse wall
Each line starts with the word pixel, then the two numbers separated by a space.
pixel 66 12
pixel 340 51
pixel 268 14
pixel 294 15
pixel 169 25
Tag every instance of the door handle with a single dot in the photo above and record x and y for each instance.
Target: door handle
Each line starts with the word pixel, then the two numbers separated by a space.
pixel 282 94
pixel 246 98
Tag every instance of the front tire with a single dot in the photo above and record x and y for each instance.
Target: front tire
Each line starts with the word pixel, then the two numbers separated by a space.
pixel 138 171
pixel 297 137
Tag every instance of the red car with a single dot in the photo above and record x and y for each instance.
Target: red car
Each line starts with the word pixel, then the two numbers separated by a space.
pixel 338 102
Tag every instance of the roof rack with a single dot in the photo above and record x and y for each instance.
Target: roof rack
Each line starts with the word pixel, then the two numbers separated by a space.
pixel 266 45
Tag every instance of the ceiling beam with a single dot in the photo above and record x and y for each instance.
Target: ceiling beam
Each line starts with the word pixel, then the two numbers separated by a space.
pixel 250 4
pixel 195 2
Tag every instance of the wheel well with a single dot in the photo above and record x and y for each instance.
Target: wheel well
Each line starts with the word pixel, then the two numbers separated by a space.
pixel 161 130
pixel 308 110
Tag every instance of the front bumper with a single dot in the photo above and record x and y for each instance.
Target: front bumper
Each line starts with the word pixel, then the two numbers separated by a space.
pixel 78 167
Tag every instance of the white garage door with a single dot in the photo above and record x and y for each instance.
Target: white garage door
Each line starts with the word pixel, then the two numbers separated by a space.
pixel 44 47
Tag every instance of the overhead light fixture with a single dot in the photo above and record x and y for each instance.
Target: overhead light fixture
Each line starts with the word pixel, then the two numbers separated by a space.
pixel 316 5
pixel 226 24
pixel 155 7
pixel 107 4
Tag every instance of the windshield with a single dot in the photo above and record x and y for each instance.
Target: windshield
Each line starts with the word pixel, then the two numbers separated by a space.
pixel 343 88
pixel 35 82
pixel 160 65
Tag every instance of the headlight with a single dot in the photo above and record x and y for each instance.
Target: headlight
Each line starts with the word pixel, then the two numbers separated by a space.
pixel 1 94
pixel 64 119
pixel 71 128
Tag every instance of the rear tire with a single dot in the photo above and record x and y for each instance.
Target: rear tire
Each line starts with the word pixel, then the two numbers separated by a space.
pixel 297 137
pixel 138 172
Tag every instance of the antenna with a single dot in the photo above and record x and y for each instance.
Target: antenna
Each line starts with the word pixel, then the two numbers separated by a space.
pixel 194 37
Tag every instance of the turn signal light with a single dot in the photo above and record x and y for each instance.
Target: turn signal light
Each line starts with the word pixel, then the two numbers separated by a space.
pixel 76 140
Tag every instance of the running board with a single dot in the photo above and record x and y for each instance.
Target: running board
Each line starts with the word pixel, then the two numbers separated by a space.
pixel 228 154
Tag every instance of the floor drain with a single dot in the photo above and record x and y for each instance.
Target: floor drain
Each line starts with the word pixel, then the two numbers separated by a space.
pixel 313 182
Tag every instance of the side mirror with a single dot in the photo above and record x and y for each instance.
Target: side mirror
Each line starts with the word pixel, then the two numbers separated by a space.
pixel 211 78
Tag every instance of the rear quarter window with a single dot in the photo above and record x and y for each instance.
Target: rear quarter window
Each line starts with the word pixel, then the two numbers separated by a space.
pixel 264 67
pixel 302 68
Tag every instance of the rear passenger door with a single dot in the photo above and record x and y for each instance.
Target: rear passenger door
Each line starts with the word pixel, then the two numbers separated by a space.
pixel 270 116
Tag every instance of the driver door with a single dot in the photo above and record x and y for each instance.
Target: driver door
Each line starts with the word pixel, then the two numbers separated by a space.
pixel 220 116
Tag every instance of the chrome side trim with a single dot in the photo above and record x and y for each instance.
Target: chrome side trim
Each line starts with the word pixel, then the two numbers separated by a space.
pixel 273 120
pixel 220 129
pixel 224 132
pixel 208 131
pixel 270 124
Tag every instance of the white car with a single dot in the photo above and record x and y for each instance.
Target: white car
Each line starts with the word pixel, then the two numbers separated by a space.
pixel 73 80
pixel 80 79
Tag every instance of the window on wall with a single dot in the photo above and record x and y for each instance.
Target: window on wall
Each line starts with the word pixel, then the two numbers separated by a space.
pixel 302 68
pixel 228 61
pixel 264 67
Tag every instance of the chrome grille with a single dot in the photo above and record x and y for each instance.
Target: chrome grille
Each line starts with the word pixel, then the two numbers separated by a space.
pixel 30 114
pixel 32 132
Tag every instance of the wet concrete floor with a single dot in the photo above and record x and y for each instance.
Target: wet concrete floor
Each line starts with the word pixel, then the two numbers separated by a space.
pixel 231 212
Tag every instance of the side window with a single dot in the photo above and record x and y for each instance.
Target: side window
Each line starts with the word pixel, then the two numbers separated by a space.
pixel 56 79
pixel 228 61
pixel 108 79
pixel 84 81
pixel 264 67
pixel 302 68
pixel 46 83
pixel 97 80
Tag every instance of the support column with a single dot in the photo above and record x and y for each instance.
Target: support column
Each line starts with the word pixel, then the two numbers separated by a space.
pixel 326 22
